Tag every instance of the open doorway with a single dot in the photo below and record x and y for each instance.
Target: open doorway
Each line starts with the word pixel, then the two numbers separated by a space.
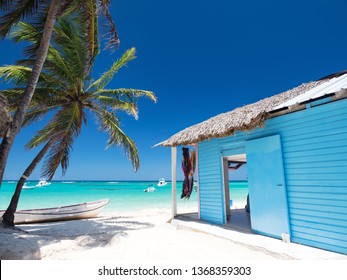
pixel 236 191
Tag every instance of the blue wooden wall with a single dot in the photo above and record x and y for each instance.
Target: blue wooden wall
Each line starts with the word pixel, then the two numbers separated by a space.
pixel 314 145
pixel 210 176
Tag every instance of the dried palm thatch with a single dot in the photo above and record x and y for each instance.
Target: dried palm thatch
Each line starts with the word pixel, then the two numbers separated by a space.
pixel 4 116
pixel 240 119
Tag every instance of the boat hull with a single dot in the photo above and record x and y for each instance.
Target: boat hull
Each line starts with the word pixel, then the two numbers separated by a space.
pixel 71 212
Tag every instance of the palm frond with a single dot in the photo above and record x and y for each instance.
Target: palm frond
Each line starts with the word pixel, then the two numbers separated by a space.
pixel 65 56
pixel 129 93
pixel 71 7
pixel 90 30
pixel 37 114
pixel 5 4
pixel 42 136
pixel 58 155
pixel 24 31
pixel 117 104
pixel 34 116
pixel 108 75
pixel 63 129
pixel 123 99
pixel 15 11
pixel 52 74
pixel 30 32
pixel 45 100
pixel 58 65
pixel 48 96
pixel 19 75
pixel 111 35
pixel 15 74
pixel 44 97
pixel 13 96
pixel 68 120
pixel 110 124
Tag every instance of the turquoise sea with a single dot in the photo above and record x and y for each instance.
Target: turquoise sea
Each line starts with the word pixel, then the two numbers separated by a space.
pixel 123 195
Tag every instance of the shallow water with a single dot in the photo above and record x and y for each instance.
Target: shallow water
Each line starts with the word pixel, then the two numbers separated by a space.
pixel 123 195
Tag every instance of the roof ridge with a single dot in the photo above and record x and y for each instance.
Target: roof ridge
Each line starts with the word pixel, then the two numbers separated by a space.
pixel 334 75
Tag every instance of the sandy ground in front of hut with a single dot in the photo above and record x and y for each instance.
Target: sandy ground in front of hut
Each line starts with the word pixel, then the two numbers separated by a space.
pixel 143 235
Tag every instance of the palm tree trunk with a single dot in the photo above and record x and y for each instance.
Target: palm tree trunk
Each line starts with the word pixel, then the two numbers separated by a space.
pixel 54 10
pixel 8 217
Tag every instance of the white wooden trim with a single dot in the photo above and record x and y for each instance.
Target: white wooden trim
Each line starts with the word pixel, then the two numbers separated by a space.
pixel 197 176
pixel 224 183
pixel 173 181
pixel 226 187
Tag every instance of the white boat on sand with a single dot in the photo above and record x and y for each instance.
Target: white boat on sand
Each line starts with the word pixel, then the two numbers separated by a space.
pixel 63 213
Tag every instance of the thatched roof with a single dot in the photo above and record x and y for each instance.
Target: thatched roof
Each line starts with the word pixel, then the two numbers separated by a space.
pixel 4 116
pixel 240 119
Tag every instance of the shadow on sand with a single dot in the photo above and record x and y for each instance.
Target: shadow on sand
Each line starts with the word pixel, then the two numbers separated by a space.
pixel 27 241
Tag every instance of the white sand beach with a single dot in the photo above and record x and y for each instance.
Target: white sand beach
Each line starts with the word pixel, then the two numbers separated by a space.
pixel 142 235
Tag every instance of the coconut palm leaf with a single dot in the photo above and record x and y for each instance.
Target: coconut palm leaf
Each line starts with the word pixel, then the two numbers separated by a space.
pixel 68 120
pixel 24 31
pixel 19 75
pixel 117 104
pixel 90 30
pixel 42 104
pixel 12 95
pixel 37 114
pixel 68 43
pixel 15 74
pixel 108 75
pixel 17 10
pixel 123 99
pixel 4 4
pixel 58 154
pixel 68 61
pixel 43 97
pixel 110 124
pixel 129 93
pixel 63 129
pixel 39 107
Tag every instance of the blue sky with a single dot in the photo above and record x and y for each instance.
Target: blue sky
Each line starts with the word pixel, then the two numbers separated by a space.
pixel 201 58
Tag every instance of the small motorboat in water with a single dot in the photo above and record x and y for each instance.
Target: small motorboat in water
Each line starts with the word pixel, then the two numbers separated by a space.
pixel 42 183
pixel 150 189
pixel 162 183
pixel 26 187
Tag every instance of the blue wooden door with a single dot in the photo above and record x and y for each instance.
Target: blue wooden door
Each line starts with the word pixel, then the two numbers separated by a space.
pixel 267 190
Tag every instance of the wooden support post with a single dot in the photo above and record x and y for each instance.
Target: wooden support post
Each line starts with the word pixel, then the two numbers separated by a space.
pixel 173 180
pixel 197 176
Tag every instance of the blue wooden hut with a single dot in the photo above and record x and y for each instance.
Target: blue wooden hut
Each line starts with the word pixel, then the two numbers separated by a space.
pixel 295 147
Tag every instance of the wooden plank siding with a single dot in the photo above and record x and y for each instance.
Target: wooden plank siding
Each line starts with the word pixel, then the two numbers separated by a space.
pixel 315 154
pixel 210 177
pixel 314 145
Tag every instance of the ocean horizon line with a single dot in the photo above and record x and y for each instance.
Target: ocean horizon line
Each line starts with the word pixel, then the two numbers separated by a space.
pixel 103 180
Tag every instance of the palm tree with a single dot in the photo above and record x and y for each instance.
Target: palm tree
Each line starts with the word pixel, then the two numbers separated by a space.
pixel 44 14
pixel 65 89
pixel 4 116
